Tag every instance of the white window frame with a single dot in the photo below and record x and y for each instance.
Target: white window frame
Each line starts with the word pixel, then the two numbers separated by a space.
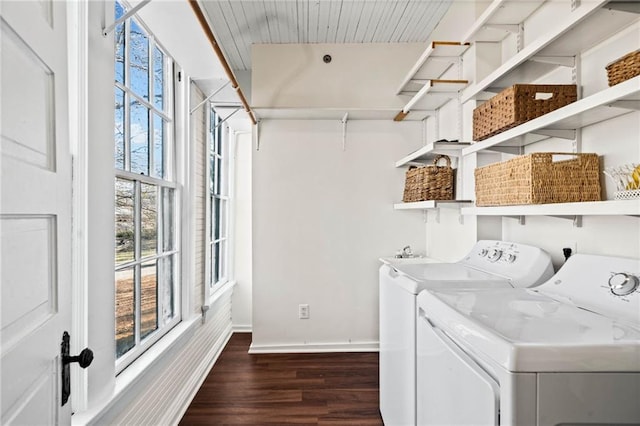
pixel 212 286
pixel 170 181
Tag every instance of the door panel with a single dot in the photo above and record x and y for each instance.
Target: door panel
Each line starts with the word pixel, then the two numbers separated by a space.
pixel 35 210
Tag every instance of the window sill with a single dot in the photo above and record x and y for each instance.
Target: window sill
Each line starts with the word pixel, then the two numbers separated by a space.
pixel 218 292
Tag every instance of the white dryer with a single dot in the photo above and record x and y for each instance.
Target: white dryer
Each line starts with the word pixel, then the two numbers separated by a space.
pixel 490 264
pixel 566 352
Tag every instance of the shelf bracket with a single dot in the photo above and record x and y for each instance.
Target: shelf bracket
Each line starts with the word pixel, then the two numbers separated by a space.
pixel 631 104
pixel 133 11
pixel 577 219
pixel 344 131
pixel 563 61
pixel 569 134
pixel 257 127
pixel 460 218
pixel 194 109
pixel 425 216
pixel 437 215
pixel 520 219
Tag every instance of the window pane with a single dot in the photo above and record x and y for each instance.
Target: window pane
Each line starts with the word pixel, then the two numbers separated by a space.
pixel 168 298
pixel 149 220
pixel 119 40
pixel 215 218
pixel 212 177
pixel 158 146
pixel 119 129
pixel 125 311
pixel 139 137
pixel 139 60
pixel 224 206
pixel 215 267
pixel 218 188
pixel 125 228
pixel 168 219
pixel 148 299
pixel 158 78
pixel 222 260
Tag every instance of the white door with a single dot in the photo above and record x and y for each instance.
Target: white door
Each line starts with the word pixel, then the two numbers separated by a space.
pixel 35 210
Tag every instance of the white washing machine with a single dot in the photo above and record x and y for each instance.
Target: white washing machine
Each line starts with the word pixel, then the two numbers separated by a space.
pixel 566 352
pixel 489 264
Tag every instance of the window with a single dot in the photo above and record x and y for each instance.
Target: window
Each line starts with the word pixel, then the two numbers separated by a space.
pixel 218 204
pixel 146 253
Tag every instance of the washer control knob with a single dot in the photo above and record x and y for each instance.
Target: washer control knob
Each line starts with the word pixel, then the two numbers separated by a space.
pixel 510 257
pixel 494 255
pixel 483 252
pixel 622 284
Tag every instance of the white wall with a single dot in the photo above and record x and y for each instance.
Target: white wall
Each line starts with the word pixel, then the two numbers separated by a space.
pixel 242 292
pixel 321 219
pixel 359 76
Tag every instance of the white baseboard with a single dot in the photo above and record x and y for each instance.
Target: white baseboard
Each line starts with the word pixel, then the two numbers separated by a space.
pixel 315 348
pixel 242 328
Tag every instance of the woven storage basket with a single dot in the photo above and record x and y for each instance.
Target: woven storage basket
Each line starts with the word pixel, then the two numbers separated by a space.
pixel 539 178
pixel 429 182
pixel 624 68
pixel 518 104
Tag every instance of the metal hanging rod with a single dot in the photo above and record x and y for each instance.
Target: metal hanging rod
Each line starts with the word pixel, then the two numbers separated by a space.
pixel 107 30
pixel 223 61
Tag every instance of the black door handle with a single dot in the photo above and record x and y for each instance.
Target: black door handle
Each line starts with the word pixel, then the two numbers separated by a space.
pixel 84 360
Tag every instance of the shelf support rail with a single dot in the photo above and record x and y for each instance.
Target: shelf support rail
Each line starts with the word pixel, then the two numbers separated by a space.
pixel 344 130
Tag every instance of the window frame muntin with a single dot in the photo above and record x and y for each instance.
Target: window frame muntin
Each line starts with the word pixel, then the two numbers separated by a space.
pixel 169 180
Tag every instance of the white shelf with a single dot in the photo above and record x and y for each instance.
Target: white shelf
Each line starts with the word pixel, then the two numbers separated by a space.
pixel 434 61
pixel 428 152
pixel 431 204
pixel 592 208
pixel 582 29
pixel 432 95
pixel 604 105
pixel 490 25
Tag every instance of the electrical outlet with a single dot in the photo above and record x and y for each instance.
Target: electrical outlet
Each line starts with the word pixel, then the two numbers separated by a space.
pixel 303 311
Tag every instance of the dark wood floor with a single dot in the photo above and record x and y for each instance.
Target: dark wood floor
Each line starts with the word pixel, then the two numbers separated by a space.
pixel 284 389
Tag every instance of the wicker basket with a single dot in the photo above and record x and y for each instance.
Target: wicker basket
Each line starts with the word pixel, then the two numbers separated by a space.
pixel 518 104
pixel 429 182
pixel 624 68
pixel 539 178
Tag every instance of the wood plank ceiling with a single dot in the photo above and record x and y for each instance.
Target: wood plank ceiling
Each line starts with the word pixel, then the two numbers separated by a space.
pixel 237 24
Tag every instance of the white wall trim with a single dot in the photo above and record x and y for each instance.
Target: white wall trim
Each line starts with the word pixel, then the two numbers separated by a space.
pixel 135 372
pixel 200 374
pixel 314 348
pixel 242 328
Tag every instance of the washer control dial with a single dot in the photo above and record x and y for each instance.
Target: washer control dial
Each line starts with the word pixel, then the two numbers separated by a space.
pixel 494 255
pixel 483 252
pixel 622 283
pixel 510 258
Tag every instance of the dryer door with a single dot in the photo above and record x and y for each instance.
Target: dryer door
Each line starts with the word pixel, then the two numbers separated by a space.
pixel 452 388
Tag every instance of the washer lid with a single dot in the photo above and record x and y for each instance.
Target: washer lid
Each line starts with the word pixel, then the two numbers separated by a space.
pixel 418 277
pixel 523 330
